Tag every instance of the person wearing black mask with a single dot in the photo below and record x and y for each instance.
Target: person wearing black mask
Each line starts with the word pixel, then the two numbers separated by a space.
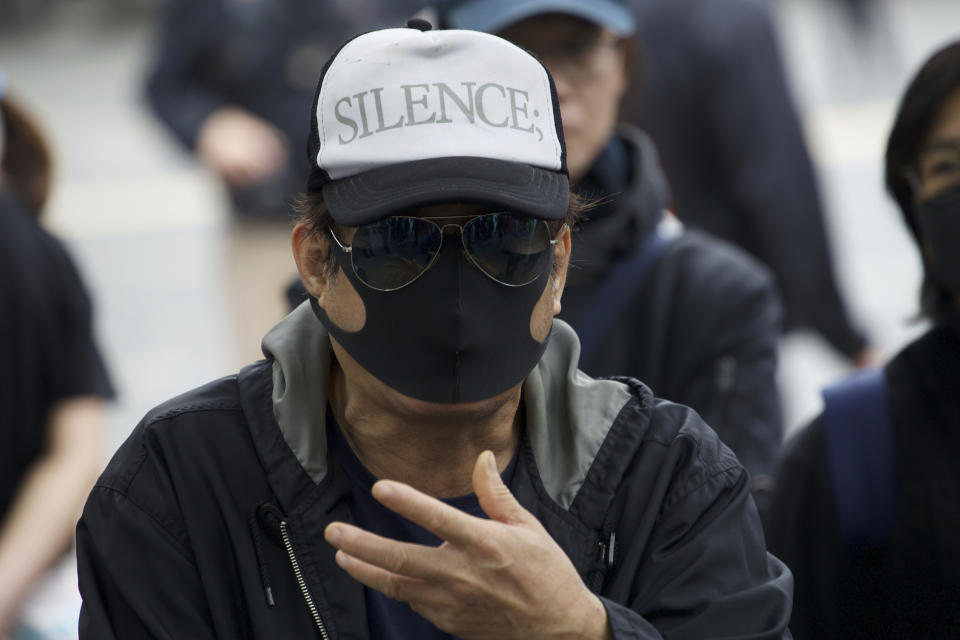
pixel 693 317
pixel 418 455
pixel 868 496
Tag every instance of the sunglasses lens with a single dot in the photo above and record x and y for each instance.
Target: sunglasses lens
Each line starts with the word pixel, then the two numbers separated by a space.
pixel 393 252
pixel 511 249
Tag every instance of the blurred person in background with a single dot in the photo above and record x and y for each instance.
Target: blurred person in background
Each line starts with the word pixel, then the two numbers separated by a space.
pixel 695 318
pixel 53 383
pixel 867 500
pixel 715 100
pixel 231 80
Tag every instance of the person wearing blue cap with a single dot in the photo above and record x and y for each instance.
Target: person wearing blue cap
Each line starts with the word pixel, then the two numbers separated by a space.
pixel 691 316
pixel 418 455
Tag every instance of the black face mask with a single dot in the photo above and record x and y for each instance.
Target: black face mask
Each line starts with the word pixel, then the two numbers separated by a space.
pixel 939 220
pixel 453 335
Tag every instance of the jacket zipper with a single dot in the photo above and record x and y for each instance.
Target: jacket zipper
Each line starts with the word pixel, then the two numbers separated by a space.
pixel 300 580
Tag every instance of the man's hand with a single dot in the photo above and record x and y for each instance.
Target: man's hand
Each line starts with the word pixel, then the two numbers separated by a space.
pixel 498 578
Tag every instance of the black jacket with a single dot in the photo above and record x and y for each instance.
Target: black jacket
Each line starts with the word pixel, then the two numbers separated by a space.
pixel 206 507
pixel 907 585
pixel 713 96
pixel 702 325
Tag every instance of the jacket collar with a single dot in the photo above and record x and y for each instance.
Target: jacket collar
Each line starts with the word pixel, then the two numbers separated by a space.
pixel 568 414
pixel 626 209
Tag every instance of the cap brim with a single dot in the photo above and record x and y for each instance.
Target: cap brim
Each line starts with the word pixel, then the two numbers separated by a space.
pixel 495 15
pixel 375 194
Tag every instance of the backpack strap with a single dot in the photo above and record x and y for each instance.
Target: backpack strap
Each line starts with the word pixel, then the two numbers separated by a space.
pixel 860 454
pixel 617 288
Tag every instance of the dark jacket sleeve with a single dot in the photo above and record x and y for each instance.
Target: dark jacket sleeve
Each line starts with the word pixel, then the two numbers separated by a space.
pixel 704 572
pixel 758 131
pixel 132 594
pixel 137 573
pixel 175 89
pixel 729 350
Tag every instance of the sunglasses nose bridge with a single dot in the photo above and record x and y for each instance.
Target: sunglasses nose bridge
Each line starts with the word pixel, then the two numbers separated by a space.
pixel 443 227
pixel 459 231
pixel 463 242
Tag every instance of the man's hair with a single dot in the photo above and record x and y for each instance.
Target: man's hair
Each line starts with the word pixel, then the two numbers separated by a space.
pixel 936 80
pixel 311 211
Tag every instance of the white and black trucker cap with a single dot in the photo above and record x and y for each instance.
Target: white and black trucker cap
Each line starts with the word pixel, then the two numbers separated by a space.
pixel 404 118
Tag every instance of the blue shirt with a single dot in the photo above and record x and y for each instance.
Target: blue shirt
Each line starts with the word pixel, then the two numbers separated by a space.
pixel 390 619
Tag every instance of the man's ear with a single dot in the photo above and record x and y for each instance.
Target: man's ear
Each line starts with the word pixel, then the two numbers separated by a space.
pixel 561 262
pixel 310 251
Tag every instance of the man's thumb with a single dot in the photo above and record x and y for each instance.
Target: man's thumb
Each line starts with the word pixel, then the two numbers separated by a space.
pixel 494 496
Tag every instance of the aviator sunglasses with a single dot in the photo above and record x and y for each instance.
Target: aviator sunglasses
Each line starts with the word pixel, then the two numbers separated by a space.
pixel 389 254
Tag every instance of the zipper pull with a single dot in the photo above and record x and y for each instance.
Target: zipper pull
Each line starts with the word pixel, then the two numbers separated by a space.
pixel 607 549
pixel 610 549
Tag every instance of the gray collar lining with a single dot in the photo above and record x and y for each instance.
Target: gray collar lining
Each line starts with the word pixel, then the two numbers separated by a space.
pixel 568 413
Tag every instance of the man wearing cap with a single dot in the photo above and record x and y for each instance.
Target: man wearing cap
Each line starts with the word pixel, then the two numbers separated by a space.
pixel 691 316
pixel 418 455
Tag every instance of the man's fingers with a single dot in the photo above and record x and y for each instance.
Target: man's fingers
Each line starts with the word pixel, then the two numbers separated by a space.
pixel 403 588
pixel 439 518
pixel 494 496
pixel 401 558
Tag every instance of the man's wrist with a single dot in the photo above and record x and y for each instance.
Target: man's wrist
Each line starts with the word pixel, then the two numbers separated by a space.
pixel 595 625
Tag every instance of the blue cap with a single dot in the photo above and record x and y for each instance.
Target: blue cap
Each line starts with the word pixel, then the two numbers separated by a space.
pixel 495 15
